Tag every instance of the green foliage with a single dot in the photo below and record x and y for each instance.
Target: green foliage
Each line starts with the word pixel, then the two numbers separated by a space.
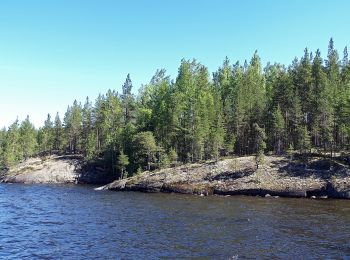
pixel 197 117
pixel 260 138
pixel 46 136
pixel 278 130
pixel 172 156
pixel 290 150
pixel 58 134
pixel 144 149
pixel 128 101
pixel 11 145
pixel 304 142
pixel 27 138
pixel 73 127
pixel 122 163
pixel 18 142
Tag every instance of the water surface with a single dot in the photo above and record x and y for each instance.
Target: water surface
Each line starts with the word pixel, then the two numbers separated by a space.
pixel 76 222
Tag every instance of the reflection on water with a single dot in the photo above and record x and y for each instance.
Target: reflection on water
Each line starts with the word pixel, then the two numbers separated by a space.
pixel 76 222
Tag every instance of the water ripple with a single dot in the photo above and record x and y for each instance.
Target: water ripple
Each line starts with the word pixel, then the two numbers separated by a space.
pixel 76 222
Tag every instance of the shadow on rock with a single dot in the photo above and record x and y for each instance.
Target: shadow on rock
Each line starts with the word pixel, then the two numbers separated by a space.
pixel 319 167
pixel 230 175
pixel 95 173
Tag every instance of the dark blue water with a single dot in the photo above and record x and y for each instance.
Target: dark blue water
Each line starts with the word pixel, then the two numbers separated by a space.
pixel 76 222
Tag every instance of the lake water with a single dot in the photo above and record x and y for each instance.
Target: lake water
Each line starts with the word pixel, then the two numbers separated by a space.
pixel 76 222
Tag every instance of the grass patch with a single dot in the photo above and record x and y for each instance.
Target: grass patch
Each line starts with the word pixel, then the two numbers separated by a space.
pixel 25 169
pixel 234 165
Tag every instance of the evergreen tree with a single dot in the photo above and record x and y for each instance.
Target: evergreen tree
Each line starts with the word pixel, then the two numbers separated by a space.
pixel 88 142
pixel 305 142
pixel 224 82
pixel 260 138
pixel 278 130
pixel 12 146
pixel 322 112
pixel 333 71
pixel 197 117
pixel 155 109
pixel 46 136
pixel 27 138
pixel 73 127
pixel 2 145
pixel 57 134
pixel 128 101
pixel 122 163
pixel 250 103
pixel 145 149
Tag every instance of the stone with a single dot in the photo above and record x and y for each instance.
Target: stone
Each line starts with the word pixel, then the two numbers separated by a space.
pixel 226 177
pixel 54 169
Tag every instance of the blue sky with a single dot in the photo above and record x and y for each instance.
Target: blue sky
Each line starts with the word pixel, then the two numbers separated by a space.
pixel 52 52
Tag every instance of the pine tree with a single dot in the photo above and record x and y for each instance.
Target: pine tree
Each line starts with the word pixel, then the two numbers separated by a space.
pixel 260 145
pixel 46 136
pixel 278 130
pixel 215 139
pixel 249 103
pixel 73 127
pixel 122 163
pixel 224 87
pixel 155 109
pixel 323 110
pixel 303 83
pixel 57 134
pixel 128 101
pixel 2 145
pixel 305 142
pixel 345 57
pixel 12 147
pixel 88 142
pixel 145 149
pixel 27 138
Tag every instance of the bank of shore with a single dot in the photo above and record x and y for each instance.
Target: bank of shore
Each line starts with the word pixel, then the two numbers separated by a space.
pixel 56 169
pixel 316 177
pixel 279 176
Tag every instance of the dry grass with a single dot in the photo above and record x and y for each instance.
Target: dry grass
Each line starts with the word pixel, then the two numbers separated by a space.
pixel 234 165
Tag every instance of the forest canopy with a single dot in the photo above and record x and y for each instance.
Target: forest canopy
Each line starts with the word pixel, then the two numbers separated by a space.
pixel 199 116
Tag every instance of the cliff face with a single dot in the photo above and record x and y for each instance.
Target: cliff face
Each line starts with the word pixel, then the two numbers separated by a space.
pixel 55 169
pixel 279 176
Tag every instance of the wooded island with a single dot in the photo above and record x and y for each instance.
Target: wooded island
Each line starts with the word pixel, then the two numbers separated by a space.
pixel 242 109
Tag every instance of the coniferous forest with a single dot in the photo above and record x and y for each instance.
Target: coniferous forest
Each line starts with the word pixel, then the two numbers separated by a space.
pixel 241 109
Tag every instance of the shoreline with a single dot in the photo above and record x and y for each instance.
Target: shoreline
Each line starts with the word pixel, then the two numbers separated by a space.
pixel 279 176
pixel 321 178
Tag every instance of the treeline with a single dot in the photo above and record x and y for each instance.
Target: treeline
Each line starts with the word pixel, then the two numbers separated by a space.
pixel 241 110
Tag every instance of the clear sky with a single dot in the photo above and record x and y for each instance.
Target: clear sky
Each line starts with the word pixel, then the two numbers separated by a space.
pixel 55 51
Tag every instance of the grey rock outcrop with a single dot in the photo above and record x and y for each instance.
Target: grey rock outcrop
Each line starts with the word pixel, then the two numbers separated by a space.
pixel 55 170
pixel 277 177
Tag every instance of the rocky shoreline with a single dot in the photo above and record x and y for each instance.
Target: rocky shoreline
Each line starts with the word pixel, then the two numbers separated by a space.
pixel 56 169
pixel 279 176
pixel 318 177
